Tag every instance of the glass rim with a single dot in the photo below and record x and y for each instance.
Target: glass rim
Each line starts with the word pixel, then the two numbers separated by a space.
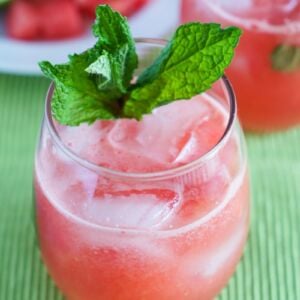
pixel 144 176
pixel 287 28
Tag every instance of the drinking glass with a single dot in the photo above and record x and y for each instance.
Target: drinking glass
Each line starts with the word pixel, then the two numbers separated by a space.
pixel 265 71
pixel 132 232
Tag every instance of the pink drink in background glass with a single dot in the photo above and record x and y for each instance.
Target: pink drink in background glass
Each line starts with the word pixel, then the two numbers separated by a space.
pixel 268 99
pixel 156 209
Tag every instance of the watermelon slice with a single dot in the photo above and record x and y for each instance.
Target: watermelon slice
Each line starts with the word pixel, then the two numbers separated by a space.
pixel 125 7
pixel 40 20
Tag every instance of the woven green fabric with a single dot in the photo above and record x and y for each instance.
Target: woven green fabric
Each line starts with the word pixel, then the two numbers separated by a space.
pixel 270 268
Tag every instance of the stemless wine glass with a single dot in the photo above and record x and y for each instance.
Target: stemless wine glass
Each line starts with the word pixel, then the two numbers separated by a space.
pixel 265 71
pixel 143 229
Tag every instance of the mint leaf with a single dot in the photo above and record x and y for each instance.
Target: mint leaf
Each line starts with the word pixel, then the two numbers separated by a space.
pixel 91 84
pixel 114 36
pixel 191 62
pixel 286 58
pixel 76 98
pixel 109 73
pixel 102 68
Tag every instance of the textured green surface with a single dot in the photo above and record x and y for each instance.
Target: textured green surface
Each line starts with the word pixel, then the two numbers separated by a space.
pixel 270 268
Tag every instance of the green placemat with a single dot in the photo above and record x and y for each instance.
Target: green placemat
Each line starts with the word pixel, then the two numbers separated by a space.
pixel 270 268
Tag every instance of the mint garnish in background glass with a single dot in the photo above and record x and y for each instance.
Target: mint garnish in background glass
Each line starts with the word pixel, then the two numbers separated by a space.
pixel 98 83
pixel 286 58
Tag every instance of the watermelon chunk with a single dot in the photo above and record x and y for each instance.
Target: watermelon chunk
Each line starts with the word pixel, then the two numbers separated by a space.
pixel 39 20
pixel 125 7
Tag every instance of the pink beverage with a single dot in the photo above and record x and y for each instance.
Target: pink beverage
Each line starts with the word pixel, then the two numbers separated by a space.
pixel 155 209
pixel 268 97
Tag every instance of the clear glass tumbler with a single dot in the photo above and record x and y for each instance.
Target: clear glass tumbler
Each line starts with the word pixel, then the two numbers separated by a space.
pixel 123 215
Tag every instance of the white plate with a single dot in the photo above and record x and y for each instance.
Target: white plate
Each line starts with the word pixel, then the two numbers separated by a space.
pixel 156 19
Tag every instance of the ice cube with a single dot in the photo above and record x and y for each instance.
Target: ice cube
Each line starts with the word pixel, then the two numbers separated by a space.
pixel 152 208
pixel 201 138
pixel 225 253
pixel 172 135
pixel 189 148
pixel 83 139
pixel 88 180
pixel 157 141
pixel 210 263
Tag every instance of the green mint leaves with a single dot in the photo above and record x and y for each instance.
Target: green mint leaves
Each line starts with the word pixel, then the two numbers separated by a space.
pixel 91 84
pixel 96 84
pixel 191 62
pixel 286 58
pixel 114 38
pixel 76 98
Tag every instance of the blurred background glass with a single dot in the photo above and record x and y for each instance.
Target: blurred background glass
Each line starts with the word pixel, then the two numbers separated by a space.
pixel 266 68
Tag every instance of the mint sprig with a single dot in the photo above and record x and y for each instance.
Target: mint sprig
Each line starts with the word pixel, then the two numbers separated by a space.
pixel 89 87
pixel 76 98
pixel 286 58
pixel 117 43
pixel 96 84
pixel 192 61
